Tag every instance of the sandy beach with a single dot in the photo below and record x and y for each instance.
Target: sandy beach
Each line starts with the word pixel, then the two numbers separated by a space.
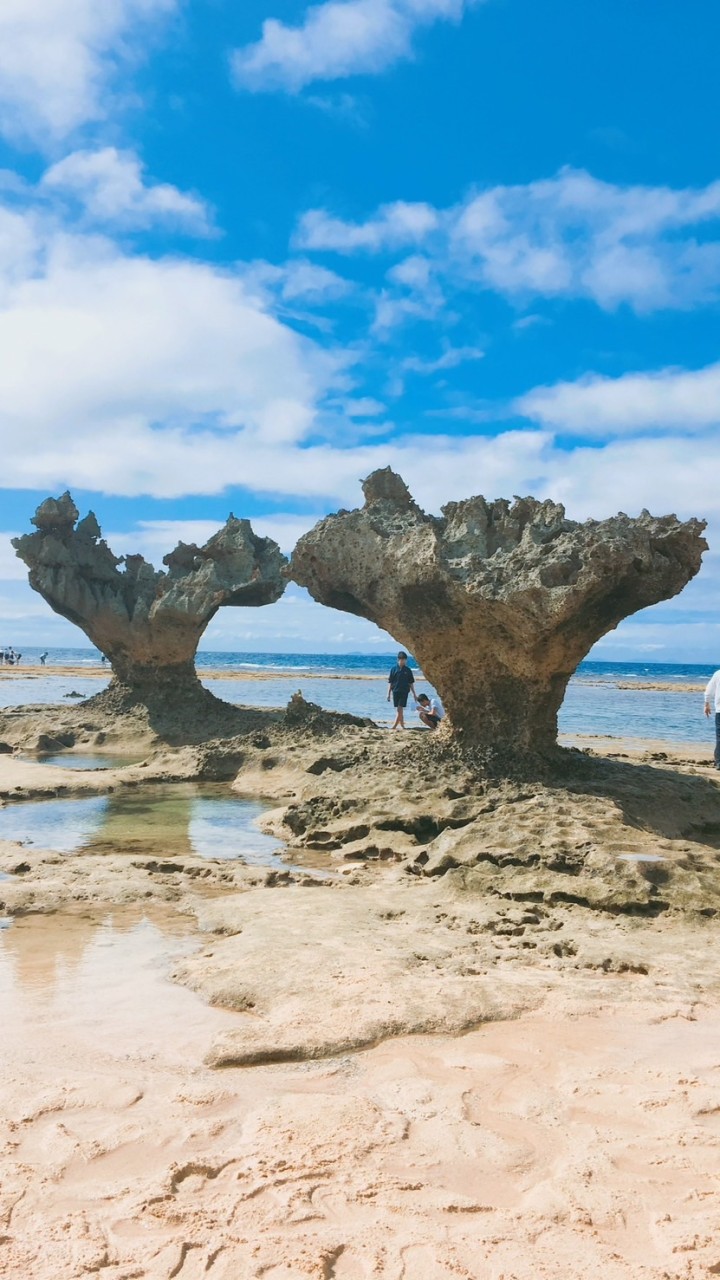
pixel 579 1139
pixel 453 1028
pixel 98 672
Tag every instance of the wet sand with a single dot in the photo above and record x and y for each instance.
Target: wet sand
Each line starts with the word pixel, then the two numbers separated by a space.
pixel 650 749
pixel 568 1128
pixel 576 1141
pixel 657 686
pixel 99 672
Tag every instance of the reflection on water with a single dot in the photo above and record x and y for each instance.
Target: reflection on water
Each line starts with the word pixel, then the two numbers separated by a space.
pixel 184 819
pixel 96 982
pixel 69 760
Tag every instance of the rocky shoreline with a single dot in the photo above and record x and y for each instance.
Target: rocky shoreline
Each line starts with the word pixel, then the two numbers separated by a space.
pixel 406 825
pixel 567 916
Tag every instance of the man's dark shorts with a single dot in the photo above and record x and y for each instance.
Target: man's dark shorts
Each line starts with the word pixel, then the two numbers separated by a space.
pixel 431 720
pixel 400 699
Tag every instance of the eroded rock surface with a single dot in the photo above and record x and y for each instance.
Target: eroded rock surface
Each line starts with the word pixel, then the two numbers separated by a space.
pixel 498 602
pixel 147 622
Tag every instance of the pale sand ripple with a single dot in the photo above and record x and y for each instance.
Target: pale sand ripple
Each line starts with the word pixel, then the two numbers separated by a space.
pixel 574 1142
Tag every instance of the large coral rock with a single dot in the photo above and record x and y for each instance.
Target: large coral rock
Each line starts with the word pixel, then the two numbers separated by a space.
pixel 147 622
pixel 498 602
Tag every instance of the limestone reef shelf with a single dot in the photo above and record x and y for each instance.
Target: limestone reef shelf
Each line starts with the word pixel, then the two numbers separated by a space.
pixel 451 898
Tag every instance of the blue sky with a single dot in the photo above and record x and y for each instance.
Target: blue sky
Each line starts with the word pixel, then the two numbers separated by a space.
pixel 250 252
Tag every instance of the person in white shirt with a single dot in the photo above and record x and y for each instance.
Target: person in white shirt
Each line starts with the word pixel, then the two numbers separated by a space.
pixel 431 710
pixel 712 704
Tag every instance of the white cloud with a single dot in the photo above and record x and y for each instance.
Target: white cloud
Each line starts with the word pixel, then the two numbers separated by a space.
pixel 342 106
pixel 391 312
pixel 294 624
pixel 667 400
pixel 450 359
pixel 297 280
pixel 110 187
pixel 155 538
pixel 568 236
pixel 529 322
pixel 131 376
pixel 417 297
pixel 394 226
pixel 627 475
pixel 360 407
pixel 337 39
pixel 107 358
pixel 20 246
pixel 415 272
pixel 11 569
pixel 58 57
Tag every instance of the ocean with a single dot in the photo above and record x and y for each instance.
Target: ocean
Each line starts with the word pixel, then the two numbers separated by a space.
pixel 594 704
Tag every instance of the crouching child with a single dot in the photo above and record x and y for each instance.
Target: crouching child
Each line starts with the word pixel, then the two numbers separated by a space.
pixel 431 710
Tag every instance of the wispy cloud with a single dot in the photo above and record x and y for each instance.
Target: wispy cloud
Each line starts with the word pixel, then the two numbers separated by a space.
pixel 110 187
pixel 450 359
pixel 346 107
pixel 338 39
pixel 394 226
pixel 59 59
pixel 297 280
pixel 567 236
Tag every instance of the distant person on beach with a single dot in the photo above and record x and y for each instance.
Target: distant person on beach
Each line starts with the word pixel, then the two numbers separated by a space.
pixel 401 682
pixel 712 704
pixel 431 710
pixel 43 659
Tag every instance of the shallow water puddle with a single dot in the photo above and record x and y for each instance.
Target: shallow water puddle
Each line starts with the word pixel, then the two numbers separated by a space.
pixel 70 760
pixel 185 819
pixel 641 857
pixel 100 981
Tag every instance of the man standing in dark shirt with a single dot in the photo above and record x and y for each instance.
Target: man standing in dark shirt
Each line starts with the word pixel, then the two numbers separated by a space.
pixel 401 682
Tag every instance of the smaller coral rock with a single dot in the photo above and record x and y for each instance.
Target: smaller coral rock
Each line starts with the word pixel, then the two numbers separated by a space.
pixel 147 622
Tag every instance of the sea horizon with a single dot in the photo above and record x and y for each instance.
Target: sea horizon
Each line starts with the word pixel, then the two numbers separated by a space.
pixel 361 663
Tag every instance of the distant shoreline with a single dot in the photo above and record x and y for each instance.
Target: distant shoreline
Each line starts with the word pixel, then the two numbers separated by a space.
pixel 96 671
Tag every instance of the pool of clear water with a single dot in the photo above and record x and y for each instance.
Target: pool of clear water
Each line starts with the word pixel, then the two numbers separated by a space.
pixel 86 986
pixel 201 819
pixel 71 760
